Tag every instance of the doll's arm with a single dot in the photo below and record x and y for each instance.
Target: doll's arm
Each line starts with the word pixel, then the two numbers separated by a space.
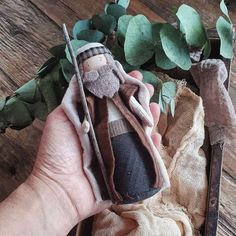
pixel 140 112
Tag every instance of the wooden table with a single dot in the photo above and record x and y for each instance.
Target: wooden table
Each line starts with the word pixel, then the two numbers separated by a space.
pixel 30 27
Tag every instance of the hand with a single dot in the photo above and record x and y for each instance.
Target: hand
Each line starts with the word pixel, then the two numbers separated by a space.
pixel 59 163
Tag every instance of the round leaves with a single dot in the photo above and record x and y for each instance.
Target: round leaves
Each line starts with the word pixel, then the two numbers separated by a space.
pixel 104 23
pixel 175 46
pixel 80 26
pixel 115 10
pixel 225 30
pixel 122 27
pixel 191 26
pixel 138 43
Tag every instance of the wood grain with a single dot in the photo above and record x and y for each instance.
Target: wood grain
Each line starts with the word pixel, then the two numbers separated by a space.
pixel 30 27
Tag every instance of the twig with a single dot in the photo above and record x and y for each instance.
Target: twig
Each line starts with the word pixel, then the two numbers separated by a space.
pixel 86 112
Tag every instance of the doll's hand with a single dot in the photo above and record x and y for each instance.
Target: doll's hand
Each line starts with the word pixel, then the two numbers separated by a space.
pixel 58 167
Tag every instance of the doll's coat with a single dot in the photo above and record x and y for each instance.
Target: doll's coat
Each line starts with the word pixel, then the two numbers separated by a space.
pixel 70 105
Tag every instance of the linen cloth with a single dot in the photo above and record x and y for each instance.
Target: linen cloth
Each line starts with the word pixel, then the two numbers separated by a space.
pixel 180 209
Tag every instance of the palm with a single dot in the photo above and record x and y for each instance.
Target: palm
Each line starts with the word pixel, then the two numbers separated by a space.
pixel 60 160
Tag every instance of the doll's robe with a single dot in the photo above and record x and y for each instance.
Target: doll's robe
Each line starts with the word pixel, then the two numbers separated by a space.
pixel 141 170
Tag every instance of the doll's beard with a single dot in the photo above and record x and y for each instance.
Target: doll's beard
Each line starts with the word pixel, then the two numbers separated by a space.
pixel 105 86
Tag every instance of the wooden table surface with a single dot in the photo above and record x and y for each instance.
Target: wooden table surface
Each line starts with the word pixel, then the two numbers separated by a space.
pixel 28 28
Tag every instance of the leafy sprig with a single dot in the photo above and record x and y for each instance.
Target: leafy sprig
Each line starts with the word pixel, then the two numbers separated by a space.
pixel 136 43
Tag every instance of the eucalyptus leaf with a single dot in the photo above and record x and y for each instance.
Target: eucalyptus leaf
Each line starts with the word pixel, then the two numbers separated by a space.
pixel 119 54
pixel 161 103
pixel 168 90
pixel 76 44
pixel 175 46
pixel 58 51
pixel 224 9
pixel 80 26
pixel 123 3
pixel 91 36
pixel 104 23
pixel 138 42
pixel 16 113
pixel 2 103
pixel 207 49
pixel 46 87
pixel 47 67
pixel 123 23
pixel 162 61
pixel 149 77
pixel 225 31
pixel 27 92
pixel 115 10
pixel 39 110
pixel 156 28
pixel 192 26
pixel 67 69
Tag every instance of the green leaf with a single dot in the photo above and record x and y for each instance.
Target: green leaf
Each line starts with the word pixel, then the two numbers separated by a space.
pixel 225 31
pixel 162 60
pixel 175 46
pixel 46 87
pixel 224 9
pixel 124 3
pixel 104 23
pixel 27 92
pixel 207 49
pixel 168 91
pixel 91 36
pixel 47 67
pixel 138 42
pixel 80 26
pixel 115 10
pixel 192 26
pixel 161 103
pixel 58 51
pixel 172 107
pixel 2 103
pixel 16 113
pixel 122 27
pixel 67 69
pixel 118 52
pixel 149 77
pixel 38 110
pixel 156 28
pixel 76 44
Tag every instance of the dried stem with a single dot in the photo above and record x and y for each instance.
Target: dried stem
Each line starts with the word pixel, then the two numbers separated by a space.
pixel 86 113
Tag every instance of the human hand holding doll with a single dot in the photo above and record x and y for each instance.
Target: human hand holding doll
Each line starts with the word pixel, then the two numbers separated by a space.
pixel 57 195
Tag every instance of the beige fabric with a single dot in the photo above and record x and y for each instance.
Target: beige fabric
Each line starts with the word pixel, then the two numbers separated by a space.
pixel 180 209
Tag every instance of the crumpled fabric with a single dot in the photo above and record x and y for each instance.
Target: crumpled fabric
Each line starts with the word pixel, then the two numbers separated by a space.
pixel 220 117
pixel 180 209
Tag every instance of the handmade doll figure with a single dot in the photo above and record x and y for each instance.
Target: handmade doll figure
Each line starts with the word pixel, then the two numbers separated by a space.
pixel 119 108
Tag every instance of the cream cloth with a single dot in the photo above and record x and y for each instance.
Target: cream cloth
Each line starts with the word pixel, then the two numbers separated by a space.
pixel 180 209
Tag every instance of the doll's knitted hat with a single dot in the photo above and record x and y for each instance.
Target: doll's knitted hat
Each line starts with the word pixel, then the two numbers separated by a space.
pixel 90 50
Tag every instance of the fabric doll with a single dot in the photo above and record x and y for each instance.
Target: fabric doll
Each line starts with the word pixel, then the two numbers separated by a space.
pixel 119 108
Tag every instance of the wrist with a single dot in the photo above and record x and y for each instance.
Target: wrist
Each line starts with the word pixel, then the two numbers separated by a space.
pixel 56 212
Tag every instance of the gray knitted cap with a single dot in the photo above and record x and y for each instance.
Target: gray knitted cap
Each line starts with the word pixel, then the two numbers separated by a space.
pixel 90 50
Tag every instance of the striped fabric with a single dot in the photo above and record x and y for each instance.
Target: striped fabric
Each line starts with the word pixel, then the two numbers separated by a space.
pixel 92 52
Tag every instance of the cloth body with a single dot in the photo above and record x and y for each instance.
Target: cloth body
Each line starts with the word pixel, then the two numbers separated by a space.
pixel 99 113
pixel 114 153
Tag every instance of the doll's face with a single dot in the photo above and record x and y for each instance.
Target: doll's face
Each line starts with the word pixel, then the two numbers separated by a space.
pixel 93 63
